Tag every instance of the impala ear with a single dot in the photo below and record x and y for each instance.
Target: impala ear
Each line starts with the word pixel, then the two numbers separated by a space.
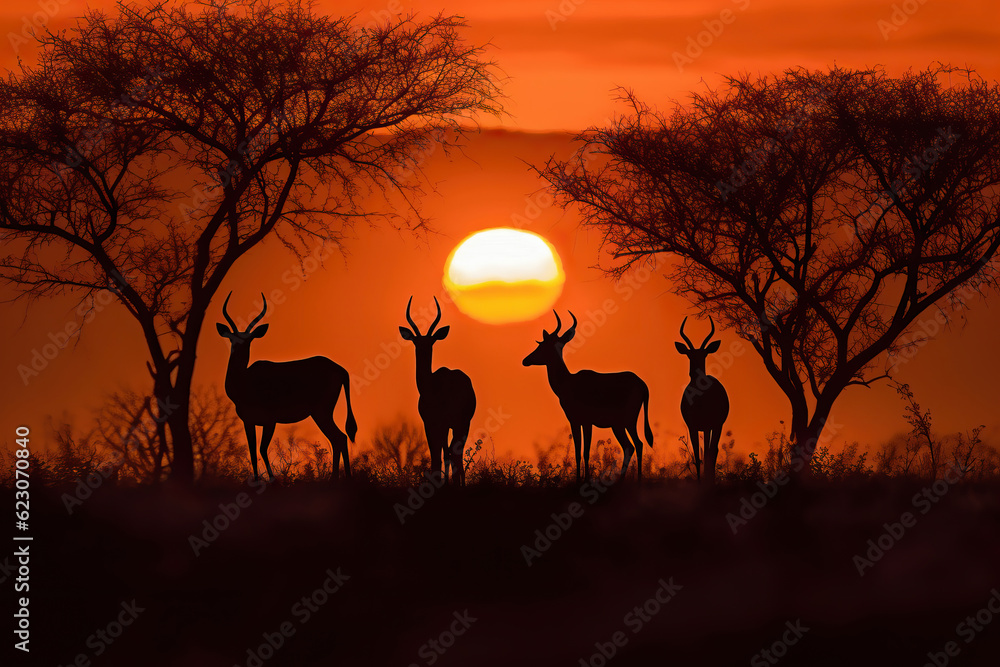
pixel 681 347
pixel 223 330
pixel 259 331
pixel 406 333
pixel 713 346
pixel 441 333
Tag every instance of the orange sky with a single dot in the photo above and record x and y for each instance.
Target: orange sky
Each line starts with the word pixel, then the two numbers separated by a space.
pixel 561 74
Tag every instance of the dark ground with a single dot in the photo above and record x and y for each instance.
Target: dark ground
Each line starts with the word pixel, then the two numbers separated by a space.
pixel 462 551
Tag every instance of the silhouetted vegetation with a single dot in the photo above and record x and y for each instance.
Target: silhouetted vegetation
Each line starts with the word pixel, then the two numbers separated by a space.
pixel 817 214
pixel 123 450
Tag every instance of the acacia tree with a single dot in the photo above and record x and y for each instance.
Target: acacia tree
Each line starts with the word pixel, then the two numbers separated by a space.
pixel 149 150
pixel 816 214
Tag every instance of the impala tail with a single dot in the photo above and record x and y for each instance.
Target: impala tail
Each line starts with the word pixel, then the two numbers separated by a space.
pixel 645 412
pixel 351 426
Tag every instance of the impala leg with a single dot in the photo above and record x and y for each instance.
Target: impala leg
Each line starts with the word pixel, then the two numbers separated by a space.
pixel 436 441
pixel 588 431
pixel 338 445
pixel 627 448
pixel 457 454
pixel 347 458
pixel 265 439
pixel 693 433
pixel 575 432
pixel 632 431
pixel 446 457
pixel 711 453
pixel 251 430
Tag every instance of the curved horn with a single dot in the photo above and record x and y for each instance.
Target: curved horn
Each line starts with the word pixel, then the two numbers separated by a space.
pixel 572 330
pixel 686 339
pixel 232 324
pixel 710 333
pixel 437 319
pixel 558 323
pixel 259 317
pixel 413 325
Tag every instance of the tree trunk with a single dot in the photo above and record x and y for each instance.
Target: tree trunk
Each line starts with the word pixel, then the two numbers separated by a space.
pixel 174 411
pixel 799 455
pixel 806 434
pixel 178 419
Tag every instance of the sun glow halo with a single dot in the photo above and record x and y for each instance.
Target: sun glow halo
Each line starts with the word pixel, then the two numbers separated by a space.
pixel 504 275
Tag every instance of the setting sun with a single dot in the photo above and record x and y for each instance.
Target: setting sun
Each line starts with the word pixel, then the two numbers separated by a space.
pixel 504 275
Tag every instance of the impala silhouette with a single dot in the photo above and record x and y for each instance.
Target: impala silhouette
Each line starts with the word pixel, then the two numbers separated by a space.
pixel 447 400
pixel 606 400
pixel 269 393
pixel 705 405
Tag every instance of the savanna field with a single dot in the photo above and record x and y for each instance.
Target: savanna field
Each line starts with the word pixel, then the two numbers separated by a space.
pixel 739 217
pixel 861 565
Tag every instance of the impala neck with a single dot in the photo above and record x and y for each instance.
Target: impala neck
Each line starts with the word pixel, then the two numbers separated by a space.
pixel 558 374
pixel 697 369
pixel 424 371
pixel 239 359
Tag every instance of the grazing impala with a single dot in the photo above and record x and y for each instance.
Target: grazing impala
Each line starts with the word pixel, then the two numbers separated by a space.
pixel 447 400
pixel 269 393
pixel 606 400
pixel 705 405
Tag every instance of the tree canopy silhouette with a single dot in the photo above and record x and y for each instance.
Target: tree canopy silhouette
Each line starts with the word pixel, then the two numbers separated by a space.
pixel 149 149
pixel 817 214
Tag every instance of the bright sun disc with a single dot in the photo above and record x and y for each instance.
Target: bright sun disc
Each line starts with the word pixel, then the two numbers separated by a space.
pixel 504 275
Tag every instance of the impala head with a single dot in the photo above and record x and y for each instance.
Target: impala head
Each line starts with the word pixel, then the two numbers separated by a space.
pixel 419 340
pixel 697 355
pixel 551 345
pixel 241 339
